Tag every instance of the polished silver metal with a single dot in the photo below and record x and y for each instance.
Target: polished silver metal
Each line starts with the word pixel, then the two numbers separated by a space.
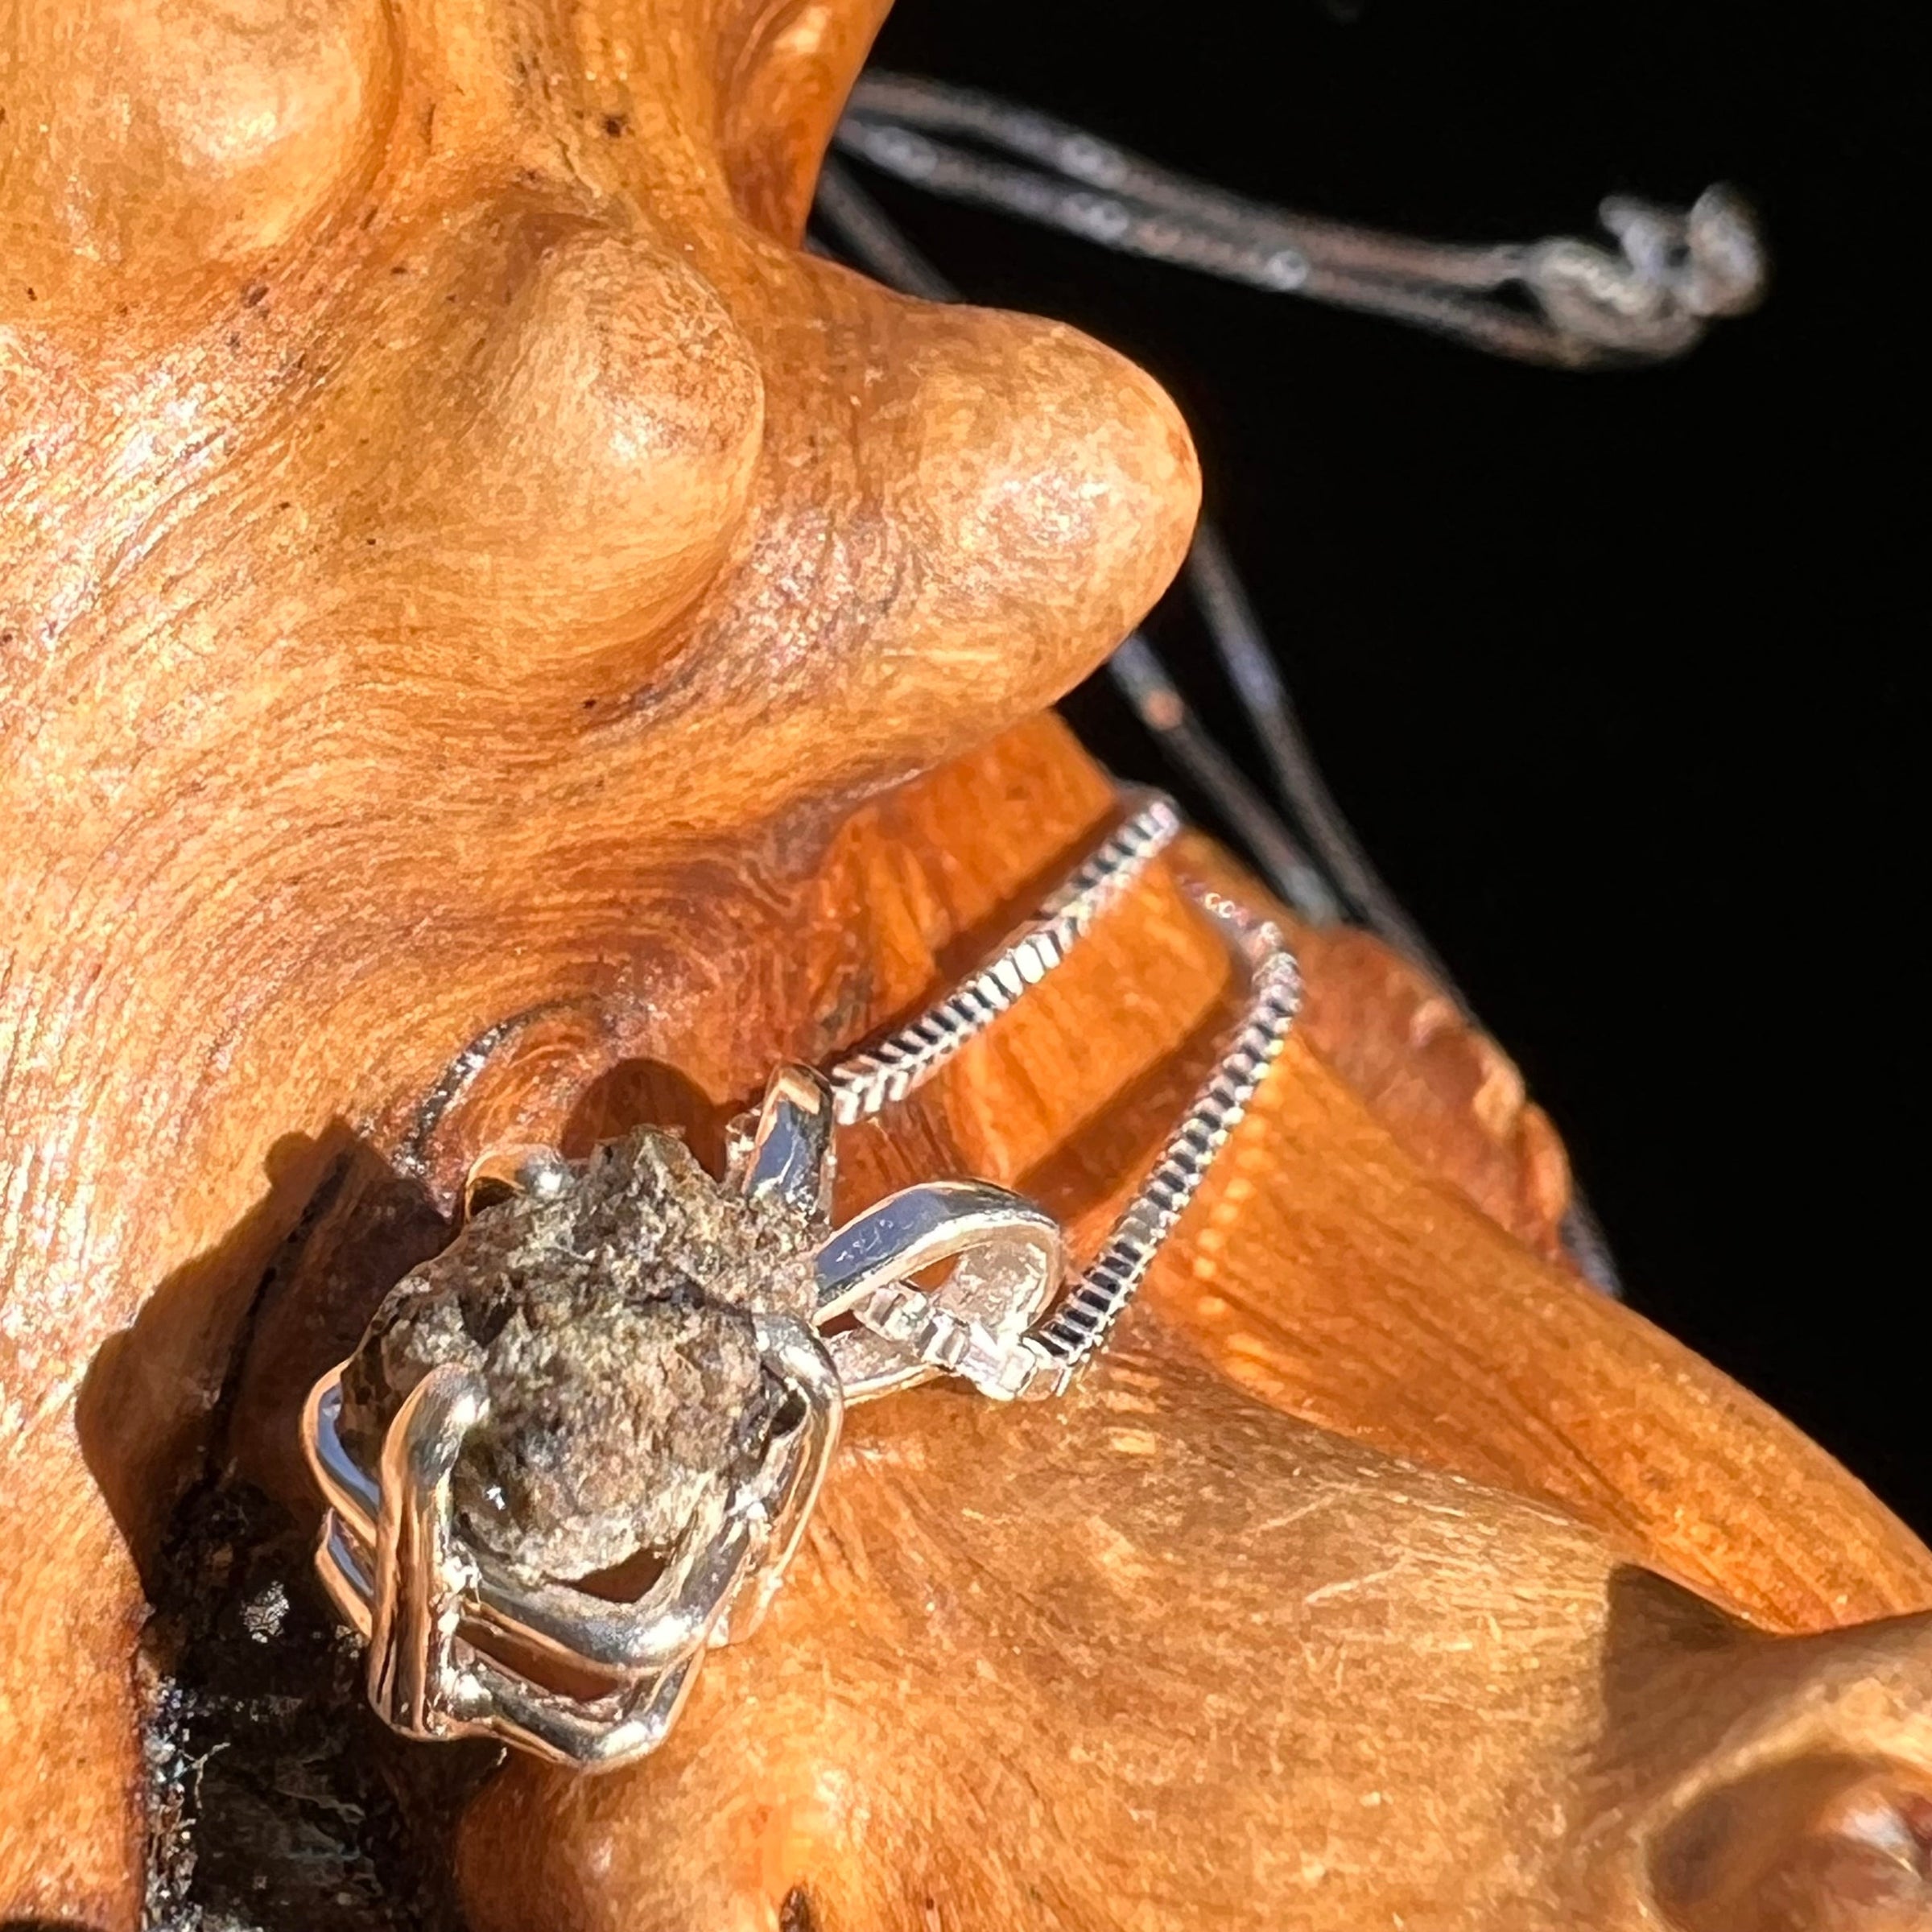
pixel 867 1083
pixel 457 1646
pixel 1079 1327
pixel 442 1625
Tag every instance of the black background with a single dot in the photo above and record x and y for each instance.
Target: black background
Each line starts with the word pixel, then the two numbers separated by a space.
pixel 1607 669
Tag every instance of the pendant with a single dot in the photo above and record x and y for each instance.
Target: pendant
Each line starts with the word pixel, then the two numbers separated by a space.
pixel 578 1447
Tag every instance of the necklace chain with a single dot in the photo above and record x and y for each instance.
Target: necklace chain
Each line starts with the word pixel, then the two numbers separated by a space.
pixel 1045 1359
pixel 865 1083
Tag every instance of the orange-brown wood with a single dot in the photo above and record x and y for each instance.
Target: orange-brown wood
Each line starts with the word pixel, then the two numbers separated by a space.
pixel 461 565
pixel 444 509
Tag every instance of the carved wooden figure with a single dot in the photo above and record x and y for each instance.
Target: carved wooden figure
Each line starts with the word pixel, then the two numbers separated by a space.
pixel 463 571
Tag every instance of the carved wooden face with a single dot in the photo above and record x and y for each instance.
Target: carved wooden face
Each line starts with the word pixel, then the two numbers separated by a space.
pixel 459 560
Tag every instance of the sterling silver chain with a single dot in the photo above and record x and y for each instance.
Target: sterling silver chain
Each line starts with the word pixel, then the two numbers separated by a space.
pixel 867 1083
pixel 461 1645
pixel 1560 301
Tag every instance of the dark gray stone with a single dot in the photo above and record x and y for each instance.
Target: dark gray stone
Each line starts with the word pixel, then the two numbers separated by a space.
pixel 611 1326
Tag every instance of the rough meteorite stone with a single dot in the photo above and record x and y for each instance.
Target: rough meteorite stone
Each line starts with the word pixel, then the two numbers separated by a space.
pixel 613 1328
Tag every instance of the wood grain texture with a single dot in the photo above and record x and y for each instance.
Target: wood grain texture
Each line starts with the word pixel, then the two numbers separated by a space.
pixel 1078 1672
pixel 442 509
pixel 1124 1662
pixel 461 566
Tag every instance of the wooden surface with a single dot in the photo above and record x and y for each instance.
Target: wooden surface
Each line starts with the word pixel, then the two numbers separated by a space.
pixel 460 567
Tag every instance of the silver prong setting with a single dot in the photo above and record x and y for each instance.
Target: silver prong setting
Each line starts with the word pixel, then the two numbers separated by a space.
pixel 432 1610
pixel 790 1156
pixel 839 1315
pixel 524 1169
